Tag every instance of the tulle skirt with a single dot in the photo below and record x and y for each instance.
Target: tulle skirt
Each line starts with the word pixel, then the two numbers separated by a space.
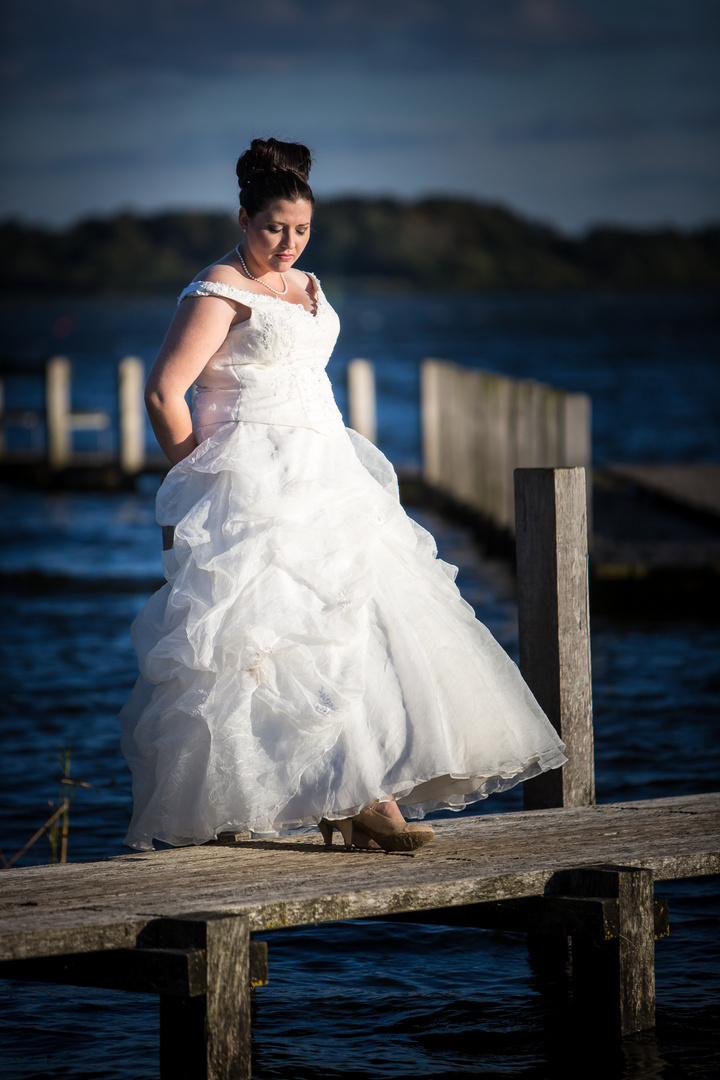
pixel 309 653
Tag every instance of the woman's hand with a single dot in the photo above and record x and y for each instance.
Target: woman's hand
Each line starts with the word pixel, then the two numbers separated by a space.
pixel 200 326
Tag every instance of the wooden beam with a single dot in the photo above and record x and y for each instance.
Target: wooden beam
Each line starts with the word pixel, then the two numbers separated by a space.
pixel 177 972
pixel 594 917
pixel 554 624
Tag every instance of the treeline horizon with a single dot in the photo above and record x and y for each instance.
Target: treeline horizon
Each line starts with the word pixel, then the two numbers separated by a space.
pixel 431 244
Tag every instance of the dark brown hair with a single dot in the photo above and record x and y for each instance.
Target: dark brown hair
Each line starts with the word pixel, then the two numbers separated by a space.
pixel 271 170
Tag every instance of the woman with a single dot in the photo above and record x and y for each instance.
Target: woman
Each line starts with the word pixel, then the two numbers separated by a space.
pixel 309 660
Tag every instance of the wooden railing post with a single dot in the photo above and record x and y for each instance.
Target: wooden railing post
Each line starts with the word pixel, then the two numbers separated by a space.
pixel 554 624
pixel 430 392
pixel 57 411
pixel 361 398
pixel 131 419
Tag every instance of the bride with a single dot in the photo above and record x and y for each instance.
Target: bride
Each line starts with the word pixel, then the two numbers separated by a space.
pixel 309 660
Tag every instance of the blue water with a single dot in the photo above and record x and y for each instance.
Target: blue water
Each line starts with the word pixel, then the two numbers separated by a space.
pixel 651 361
pixel 368 1000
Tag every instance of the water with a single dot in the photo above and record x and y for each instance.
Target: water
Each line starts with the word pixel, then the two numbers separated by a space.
pixel 369 1000
pixel 651 361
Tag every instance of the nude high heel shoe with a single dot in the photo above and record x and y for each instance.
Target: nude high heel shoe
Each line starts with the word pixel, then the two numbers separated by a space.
pixel 351 836
pixel 392 835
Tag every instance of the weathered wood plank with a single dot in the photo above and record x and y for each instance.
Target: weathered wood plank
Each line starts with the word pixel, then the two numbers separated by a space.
pixel 85 907
pixel 554 624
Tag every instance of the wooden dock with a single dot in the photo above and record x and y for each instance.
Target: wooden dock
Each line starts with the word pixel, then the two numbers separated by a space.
pixel 694 487
pixel 180 922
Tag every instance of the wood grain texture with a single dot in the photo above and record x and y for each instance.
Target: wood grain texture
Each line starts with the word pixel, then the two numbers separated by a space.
pixel 614 978
pixel 430 418
pixel 554 624
pixel 84 907
pixel 208 1037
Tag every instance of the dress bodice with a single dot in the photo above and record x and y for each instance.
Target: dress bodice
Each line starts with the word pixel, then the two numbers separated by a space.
pixel 270 369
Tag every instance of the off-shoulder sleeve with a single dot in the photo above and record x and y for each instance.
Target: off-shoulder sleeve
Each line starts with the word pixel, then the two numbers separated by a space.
pixel 216 288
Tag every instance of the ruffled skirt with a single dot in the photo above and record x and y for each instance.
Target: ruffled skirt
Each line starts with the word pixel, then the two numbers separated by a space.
pixel 309 653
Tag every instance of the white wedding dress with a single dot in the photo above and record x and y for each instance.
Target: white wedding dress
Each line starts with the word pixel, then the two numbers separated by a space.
pixel 309 653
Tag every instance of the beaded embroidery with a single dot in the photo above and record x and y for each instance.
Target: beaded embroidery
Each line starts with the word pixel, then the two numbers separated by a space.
pixel 325 703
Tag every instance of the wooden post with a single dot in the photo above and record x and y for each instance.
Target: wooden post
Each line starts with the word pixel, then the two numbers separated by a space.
pixel 57 411
pixel 476 445
pixel 430 415
pixel 577 442
pixel 361 398
pixel 459 434
pixel 554 624
pixel 551 420
pixel 614 978
pixel 131 380
pixel 208 1037
pixel 499 418
pixel 445 414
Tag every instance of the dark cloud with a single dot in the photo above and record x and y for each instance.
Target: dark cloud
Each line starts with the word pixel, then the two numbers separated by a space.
pixel 51 44
pixel 609 124
pixel 148 100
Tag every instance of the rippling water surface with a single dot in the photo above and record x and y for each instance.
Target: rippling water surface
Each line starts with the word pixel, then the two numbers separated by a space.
pixel 359 999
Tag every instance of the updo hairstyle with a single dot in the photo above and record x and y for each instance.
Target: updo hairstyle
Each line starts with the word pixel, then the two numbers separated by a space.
pixel 272 170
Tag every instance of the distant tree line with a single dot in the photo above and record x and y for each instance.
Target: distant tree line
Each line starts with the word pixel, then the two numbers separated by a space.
pixel 432 244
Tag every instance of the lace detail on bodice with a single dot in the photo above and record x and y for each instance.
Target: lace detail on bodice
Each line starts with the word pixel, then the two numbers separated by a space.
pixel 271 367
pixel 231 292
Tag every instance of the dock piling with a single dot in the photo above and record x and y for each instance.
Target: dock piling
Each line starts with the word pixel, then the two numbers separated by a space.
pixel 207 1037
pixel 554 624
pixel 361 398
pixel 131 381
pixel 614 977
pixel 57 411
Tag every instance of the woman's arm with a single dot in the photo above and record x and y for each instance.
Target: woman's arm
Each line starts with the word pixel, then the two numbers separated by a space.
pixel 196 333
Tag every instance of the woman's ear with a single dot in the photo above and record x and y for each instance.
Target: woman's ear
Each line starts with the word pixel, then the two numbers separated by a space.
pixel 243 218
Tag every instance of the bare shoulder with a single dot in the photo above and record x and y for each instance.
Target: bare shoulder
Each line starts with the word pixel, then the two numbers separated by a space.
pixel 222 271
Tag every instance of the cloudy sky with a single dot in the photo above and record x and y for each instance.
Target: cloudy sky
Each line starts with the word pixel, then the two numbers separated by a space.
pixel 571 111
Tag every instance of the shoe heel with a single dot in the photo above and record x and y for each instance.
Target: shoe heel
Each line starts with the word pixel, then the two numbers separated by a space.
pixel 345 828
pixel 326 828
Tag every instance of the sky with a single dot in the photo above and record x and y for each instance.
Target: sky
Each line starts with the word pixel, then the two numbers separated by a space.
pixel 572 112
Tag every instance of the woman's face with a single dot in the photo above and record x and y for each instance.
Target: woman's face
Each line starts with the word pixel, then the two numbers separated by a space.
pixel 277 236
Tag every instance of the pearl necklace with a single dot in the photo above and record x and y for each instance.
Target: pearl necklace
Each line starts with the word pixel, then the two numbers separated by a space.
pixel 280 292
